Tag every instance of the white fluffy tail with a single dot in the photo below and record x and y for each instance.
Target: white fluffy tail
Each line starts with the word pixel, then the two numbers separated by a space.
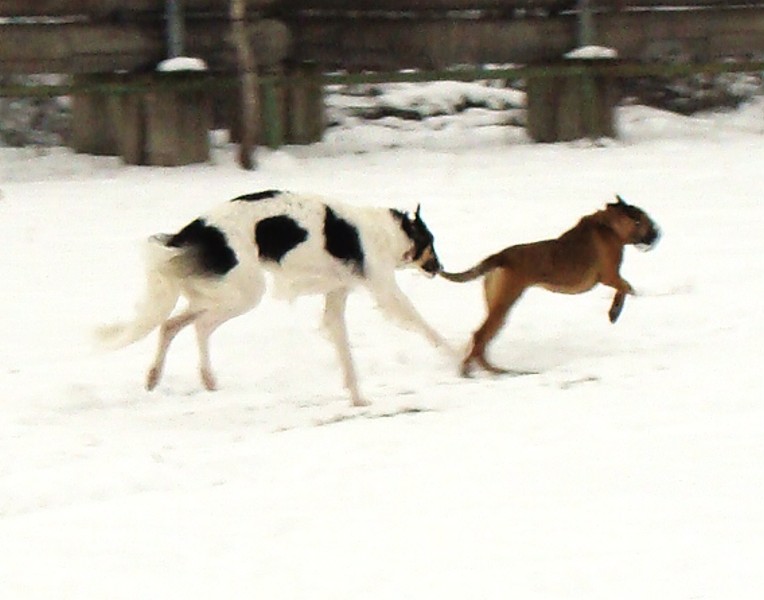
pixel 161 296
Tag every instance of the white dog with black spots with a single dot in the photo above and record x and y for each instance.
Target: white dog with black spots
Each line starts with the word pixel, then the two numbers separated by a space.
pixel 311 246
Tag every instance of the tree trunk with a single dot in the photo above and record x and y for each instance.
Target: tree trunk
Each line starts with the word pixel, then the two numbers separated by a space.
pixel 248 84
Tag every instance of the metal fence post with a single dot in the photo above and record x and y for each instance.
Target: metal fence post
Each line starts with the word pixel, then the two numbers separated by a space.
pixel 175 33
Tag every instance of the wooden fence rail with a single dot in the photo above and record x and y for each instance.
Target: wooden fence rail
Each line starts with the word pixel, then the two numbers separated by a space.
pixel 104 48
pixel 99 9
pixel 357 36
pixel 384 44
pixel 507 5
pixel 375 42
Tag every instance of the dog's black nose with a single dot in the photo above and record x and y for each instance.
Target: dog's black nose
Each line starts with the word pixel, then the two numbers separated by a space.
pixel 651 238
pixel 432 266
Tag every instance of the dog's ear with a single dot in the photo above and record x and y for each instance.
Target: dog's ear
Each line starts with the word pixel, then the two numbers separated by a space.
pixel 415 217
pixel 619 202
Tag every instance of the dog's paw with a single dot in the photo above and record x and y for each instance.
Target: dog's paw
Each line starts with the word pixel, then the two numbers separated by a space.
pixel 152 378
pixel 465 369
pixel 208 380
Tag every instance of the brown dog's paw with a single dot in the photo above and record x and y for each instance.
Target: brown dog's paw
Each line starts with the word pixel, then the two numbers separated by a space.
pixel 617 306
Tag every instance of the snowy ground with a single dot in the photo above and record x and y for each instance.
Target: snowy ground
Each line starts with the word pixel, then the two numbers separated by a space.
pixel 629 467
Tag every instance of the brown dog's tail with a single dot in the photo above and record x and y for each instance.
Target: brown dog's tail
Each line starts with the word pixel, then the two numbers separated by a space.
pixel 479 269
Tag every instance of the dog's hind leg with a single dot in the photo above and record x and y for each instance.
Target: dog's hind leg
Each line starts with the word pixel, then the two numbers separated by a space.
pixel 239 294
pixel 334 323
pixel 167 333
pixel 206 325
pixel 500 294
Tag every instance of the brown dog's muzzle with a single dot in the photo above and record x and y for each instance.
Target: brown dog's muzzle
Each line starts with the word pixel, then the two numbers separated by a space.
pixel 650 239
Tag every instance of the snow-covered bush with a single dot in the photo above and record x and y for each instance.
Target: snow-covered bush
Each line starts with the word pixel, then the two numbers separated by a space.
pixel 688 95
pixel 33 121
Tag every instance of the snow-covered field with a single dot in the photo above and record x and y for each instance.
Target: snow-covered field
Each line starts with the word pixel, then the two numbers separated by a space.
pixel 631 466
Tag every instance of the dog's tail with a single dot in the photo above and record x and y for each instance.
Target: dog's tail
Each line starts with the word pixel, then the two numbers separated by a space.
pixel 162 292
pixel 479 269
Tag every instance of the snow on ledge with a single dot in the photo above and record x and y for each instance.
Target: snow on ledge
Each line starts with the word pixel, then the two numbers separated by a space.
pixel 592 52
pixel 182 63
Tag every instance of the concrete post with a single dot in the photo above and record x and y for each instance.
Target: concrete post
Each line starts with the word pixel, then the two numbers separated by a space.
pixel 306 120
pixel 571 101
pixel 177 124
pixel 94 129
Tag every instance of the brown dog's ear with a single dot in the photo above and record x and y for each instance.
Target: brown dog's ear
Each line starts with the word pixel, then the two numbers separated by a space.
pixel 620 200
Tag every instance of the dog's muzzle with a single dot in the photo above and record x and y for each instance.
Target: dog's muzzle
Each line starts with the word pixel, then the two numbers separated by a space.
pixel 432 267
pixel 650 240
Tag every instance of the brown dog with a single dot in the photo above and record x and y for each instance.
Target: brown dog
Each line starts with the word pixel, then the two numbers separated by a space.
pixel 574 263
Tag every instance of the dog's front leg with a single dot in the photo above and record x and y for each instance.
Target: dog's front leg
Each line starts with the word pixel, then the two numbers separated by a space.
pixel 624 287
pixel 611 277
pixel 399 308
pixel 334 323
pixel 616 307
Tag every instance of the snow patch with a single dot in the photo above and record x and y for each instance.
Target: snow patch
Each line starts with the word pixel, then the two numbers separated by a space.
pixel 592 53
pixel 182 63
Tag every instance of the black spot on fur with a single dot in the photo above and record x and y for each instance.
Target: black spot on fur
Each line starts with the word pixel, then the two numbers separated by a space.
pixel 255 196
pixel 342 241
pixel 275 236
pixel 215 256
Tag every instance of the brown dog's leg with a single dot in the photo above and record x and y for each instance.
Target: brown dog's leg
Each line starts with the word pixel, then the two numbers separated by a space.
pixel 500 294
pixel 622 287
pixel 616 307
